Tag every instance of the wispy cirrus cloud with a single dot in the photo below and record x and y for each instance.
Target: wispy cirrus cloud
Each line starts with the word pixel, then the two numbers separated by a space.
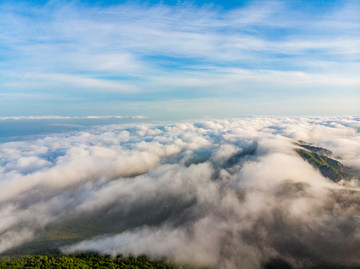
pixel 126 51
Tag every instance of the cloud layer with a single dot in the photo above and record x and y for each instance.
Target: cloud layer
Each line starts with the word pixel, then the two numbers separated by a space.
pixel 217 193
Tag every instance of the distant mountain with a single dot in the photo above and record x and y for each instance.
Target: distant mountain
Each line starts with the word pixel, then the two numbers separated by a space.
pixel 314 149
pixel 319 158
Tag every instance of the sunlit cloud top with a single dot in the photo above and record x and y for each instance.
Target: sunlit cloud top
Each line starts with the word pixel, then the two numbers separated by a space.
pixel 217 59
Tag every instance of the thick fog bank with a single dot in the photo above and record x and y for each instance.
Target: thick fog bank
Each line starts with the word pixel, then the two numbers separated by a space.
pixel 217 193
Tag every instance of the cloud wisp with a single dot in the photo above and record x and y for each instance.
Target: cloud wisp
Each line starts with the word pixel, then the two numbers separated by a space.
pixel 217 193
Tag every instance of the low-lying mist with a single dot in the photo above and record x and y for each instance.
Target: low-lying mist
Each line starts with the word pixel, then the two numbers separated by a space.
pixel 216 193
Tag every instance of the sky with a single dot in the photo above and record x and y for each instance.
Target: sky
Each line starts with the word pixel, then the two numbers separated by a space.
pixel 179 59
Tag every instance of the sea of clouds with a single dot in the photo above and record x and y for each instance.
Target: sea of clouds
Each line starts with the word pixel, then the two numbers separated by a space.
pixel 217 193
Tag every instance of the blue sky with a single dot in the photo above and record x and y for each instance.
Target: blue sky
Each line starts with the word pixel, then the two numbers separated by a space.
pixel 179 59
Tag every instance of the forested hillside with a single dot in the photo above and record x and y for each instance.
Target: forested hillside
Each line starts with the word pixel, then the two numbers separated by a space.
pixel 81 261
